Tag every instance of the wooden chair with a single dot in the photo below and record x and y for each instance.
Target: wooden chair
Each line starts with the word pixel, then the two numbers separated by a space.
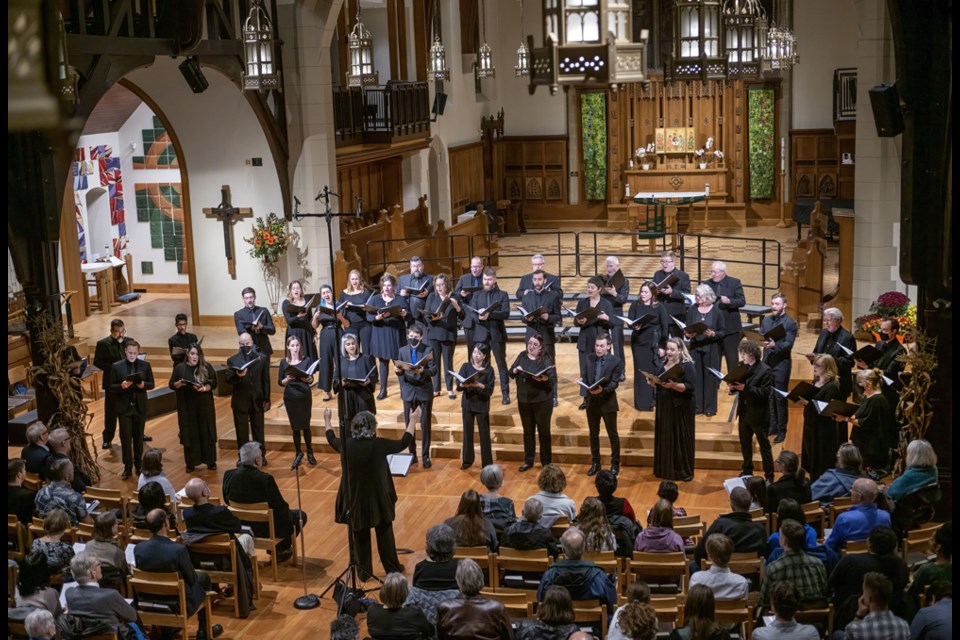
pixel 511 562
pixel 591 612
pixel 855 546
pixel 820 614
pixel 671 567
pixel 482 556
pixel 839 506
pixel 205 555
pixel 32 481
pixel 735 612
pixel 260 513
pixel 12 572
pixel 18 375
pixel 111 499
pixel 610 564
pixel 16 538
pixel 759 516
pixel 187 502
pixel 691 527
pixel 749 565
pixel 669 608
pixel 149 587
pixel 557 528
pixel 918 546
pixel 35 530
pixel 518 603
pixel 139 535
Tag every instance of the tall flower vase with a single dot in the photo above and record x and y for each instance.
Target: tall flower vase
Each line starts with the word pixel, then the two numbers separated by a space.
pixel 271 279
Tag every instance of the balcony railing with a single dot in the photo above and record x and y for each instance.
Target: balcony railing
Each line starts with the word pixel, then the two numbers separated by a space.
pixel 380 115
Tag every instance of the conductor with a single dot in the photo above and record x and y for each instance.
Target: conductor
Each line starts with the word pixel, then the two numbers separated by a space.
pixel 371 492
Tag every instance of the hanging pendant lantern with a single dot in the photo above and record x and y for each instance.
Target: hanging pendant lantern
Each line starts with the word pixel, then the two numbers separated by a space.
pixel 484 68
pixel 438 61
pixel 742 24
pixel 699 48
pixel 258 42
pixel 522 68
pixel 360 48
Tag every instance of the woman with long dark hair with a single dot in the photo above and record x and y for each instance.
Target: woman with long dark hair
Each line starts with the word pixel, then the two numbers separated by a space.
pixel 358 376
pixel 592 521
pixel 647 343
pixel 470 528
pixel 699 615
pixel 389 329
pixel 297 317
pixel 297 398
pixel 555 617
pixel 440 313
pixel 475 403
pixel 536 378
pixel 325 321
pixel 356 296
pixel 675 421
pixel 194 381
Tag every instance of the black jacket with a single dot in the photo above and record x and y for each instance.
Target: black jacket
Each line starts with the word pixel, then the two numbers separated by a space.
pixel 35 457
pixel 253 389
pixel 753 407
pixel 787 486
pixel 830 343
pixel 261 338
pixel 160 554
pixel 676 303
pixel 606 400
pixel 779 356
pixel 248 484
pixel 492 329
pixel 526 536
pixel 550 301
pixel 132 400
pixel 108 351
pixel 747 536
pixel 418 386
pixel 733 289
pixel 551 283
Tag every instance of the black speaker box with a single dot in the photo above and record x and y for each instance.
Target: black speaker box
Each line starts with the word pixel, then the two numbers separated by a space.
pixel 886 110
pixel 439 103
pixel 193 74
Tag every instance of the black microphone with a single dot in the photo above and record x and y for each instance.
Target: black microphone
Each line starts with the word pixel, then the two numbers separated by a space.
pixel 297 461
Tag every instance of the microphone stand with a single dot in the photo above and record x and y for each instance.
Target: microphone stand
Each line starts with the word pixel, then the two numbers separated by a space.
pixel 307 600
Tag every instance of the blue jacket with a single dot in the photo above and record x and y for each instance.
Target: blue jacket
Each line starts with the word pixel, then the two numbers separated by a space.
pixel 856 524
pixel 583 579
pixel 912 479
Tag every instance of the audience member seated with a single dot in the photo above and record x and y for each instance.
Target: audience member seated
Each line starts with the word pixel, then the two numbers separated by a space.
pixel 838 482
pixel 808 575
pixel 344 627
pixel 20 501
pixel 874 620
pixel 747 536
pixel 470 528
pixel 40 625
pixel 582 578
pixel 792 484
pixel 606 484
pixel 392 620
pixel 846 581
pixel 554 620
pixel 151 470
pixel 33 584
pixel 160 554
pixel 757 488
pixel 597 534
pixel 856 522
pixel 669 491
pixel 89 600
pixel 659 536
pixel 470 616
pixel 248 484
pixel 51 544
pixel 921 470
pixel 435 579
pixel 634 619
pixel 783 599
pixel 497 509
pixel 555 503
pixel 939 569
pixel 105 549
pixel 699 612
pixel 60 495
pixel 60 449
pixel 790 509
pixel 149 497
pixel 725 584
pixel 935 621
pixel 527 533
pixel 37 451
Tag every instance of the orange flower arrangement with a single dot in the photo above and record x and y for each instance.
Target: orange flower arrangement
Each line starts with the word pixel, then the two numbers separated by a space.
pixel 270 239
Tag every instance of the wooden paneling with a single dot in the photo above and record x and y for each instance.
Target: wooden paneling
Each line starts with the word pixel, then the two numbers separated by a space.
pixel 532 170
pixel 379 183
pixel 466 175
pixel 815 164
pixel 73 279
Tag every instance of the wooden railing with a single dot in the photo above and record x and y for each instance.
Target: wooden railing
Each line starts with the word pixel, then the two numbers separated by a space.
pixel 381 115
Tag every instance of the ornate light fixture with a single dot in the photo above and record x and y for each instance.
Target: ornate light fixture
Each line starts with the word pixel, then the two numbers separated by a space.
pixel 360 46
pixel 31 50
pixel 780 51
pixel 437 67
pixel 699 48
pixel 484 68
pixel 522 68
pixel 262 73
pixel 67 76
pixel 743 23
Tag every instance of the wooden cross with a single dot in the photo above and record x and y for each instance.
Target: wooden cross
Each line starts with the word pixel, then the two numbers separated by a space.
pixel 228 214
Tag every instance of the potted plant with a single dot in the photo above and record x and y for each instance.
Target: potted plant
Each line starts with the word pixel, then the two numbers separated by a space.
pixel 269 243
pixel 891 304
pixel 646 160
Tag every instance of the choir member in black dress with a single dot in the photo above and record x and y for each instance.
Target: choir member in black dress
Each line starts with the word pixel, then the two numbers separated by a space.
pixel 890 349
pixel 416 386
pixel 675 422
pixel 489 327
pixel 822 436
pixel 647 342
pixel 251 392
pixel 617 297
pixel 181 339
pixel 671 295
pixel 258 322
pixel 416 280
pixel 589 329
pixel 297 317
pixel 536 378
pixel 389 331
pixel 730 298
pixel 194 381
pixel 705 348
pixel 607 369
pixel 777 354
pixel 325 321
pixel 130 398
pixel 475 404
pixel 874 429
pixel 358 376
pixel 442 328
pixel 551 282
pixel 297 396
pixel 753 409
pixel 467 287
pixel 356 294
pixel 835 341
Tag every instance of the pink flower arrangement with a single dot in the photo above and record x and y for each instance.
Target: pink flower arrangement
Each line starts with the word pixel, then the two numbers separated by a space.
pixel 891 303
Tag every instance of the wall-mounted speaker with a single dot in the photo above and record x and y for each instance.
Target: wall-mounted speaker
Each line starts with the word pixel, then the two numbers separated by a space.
pixel 439 103
pixel 193 74
pixel 885 102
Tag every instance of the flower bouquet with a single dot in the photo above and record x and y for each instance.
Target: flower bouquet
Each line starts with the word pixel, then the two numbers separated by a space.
pixel 642 155
pixel 269 243
pixel 891 304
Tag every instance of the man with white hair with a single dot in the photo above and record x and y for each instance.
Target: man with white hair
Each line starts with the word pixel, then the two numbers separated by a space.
pixel 468 284
pixel 582 578
pixel 39 625
pixel 60 448
pixel 90 600
pixel 730 298
pixel 37 450
pixel 836 341
pixel 551 282
pixel 856 522
pixel 617 297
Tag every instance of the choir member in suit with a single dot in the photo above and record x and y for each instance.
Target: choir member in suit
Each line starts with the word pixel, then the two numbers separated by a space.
pixel 194 381
pixel 108 351
pixel 753 409
pixel 130 379
pixel 730 298
pixel 181 339
pixel 647 343
pixel 358 376
pixel 705 348
pixel 251 392
pixel 536 377
pixel 672 295
pixel 416 386
pixel 821 435
pixel 617 297
pixel 875 430
pixel 551 282
pixel 297 316
pixel 325 321
pixel 489 327
pixel 833 339
pixel 675 422
pixel 589 329
pixel 544 325
pixel 475 404
pixel 890 349
pixel 442 328
pixel 606 368
pixel 472 280
pixel 777 356
pixel 356 294
pixel 416 279
pixel 258 322
pixel 389 330
pixel 297 398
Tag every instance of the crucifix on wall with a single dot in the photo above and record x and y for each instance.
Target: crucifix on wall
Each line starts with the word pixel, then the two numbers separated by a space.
pixel 228 214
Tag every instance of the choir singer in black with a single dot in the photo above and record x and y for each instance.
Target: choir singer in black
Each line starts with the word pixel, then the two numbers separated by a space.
pixel 476 386
pixel 603 373
pixel 416 367
pixel 359 376
pixel 753 409
pixel 542 324
pixel 194 381
pixel 536 378
pixel 675 423
pixel 249 374
pixel 130 379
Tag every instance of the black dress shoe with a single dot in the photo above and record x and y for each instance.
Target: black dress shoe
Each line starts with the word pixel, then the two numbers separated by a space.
pixel 286 554
pixel 780 438
pixel 106 445
pixel 615 469
pixel 125 475
pixel 216 630
pixel 466 465
pixel 687 479
pixel 426 462
pixel 583 405
pixel 191 469
pixel 382 395
pixel 311 459
pixel 148 438
pixel 414 459
pixel 506 398
pixel 710 414
pixel 592 471
pixel 555 403
pixel 212 467
pixel 526 466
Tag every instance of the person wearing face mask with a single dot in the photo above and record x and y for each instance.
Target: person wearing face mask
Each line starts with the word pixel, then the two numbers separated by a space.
pixel 249 373
pixel 467 286
pixel 890 349
pixel 109 350
pixel 536 378
pixel 475 404
pixel 777 354
pixel 416 387
pixel 838 343
pixel 495 304
pixel 675 421
pixel 130 379
pixel 194 381
pixel 182 339
pixel 414 287
pixel 753 409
